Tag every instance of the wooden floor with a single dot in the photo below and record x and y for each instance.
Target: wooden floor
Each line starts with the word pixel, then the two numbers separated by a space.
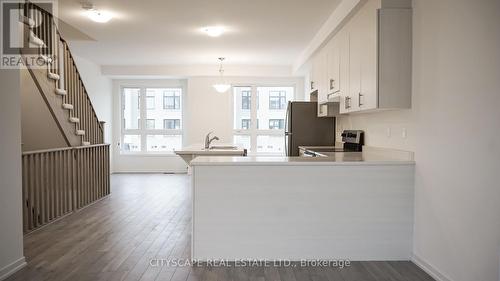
pixel 148 217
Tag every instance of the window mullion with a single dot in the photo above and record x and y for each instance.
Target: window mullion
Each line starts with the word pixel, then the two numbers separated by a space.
pixel 253 117
pixel 142 124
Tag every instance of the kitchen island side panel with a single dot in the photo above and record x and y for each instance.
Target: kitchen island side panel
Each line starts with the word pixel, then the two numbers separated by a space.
pixel 356 212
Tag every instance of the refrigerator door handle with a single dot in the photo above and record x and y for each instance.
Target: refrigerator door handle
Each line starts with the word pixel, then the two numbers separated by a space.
pixel 287 139
pixel 287 127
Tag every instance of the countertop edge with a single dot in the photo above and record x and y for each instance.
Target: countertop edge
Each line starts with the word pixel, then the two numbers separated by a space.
pixel 382 163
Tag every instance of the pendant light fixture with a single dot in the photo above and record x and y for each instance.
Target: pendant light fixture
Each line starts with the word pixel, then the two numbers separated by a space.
pixel 222 86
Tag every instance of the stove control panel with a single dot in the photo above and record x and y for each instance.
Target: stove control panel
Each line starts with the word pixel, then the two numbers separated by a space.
pixel 353 136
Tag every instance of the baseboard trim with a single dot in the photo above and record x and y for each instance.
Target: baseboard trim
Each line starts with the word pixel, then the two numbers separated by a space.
pixel 12 268
pixel 149 172
pixel 429 269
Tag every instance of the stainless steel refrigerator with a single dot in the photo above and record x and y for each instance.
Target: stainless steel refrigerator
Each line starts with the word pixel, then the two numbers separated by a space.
pixel 303 127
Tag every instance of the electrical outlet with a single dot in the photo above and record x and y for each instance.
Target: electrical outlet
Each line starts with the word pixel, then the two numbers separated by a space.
pixel 388 132
pixel 404 133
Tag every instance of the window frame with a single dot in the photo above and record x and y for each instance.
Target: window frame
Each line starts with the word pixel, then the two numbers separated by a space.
pixel 174 97
pixel 246 97
pixel 281 124
pixel 142 130
pixel 248 121
pixel 154 125
pixel 175 121
pixel 254 131
pixel 147 105
pixel 279 96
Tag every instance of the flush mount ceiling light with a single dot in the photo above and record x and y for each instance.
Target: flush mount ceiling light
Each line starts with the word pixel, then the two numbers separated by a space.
pixel 222 86
pixel 95 15
pixel 213 31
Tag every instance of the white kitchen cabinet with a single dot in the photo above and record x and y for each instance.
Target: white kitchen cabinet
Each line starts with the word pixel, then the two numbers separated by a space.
pixel 362 30
pixel 318 73
pixel 370 57
pixel 333 67
pixel 321 81
pixel 336 80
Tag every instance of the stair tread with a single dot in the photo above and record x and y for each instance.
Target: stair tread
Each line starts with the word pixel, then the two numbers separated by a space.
pixel 67 106
pixel 53 76
pixel 28 21
pixel 35 40
pixel 61 92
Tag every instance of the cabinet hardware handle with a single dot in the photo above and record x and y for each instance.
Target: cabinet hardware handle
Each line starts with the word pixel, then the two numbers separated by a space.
pixel 332 84
pixel 359 99
pixel 312 85
pixel 347 102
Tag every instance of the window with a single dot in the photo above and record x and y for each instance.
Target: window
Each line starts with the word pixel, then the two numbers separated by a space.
pixel 138 103
pixel 131 108
pixel 171 124
pixel 150 124
pixel 245 99
pixel 131 143
pixel 275 124
pixel 245 124
pixel 171 100
pixel 277 100
pixel 150 102
pixel 268 107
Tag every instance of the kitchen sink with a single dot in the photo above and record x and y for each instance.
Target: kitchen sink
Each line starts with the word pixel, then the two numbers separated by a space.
pixel 224 147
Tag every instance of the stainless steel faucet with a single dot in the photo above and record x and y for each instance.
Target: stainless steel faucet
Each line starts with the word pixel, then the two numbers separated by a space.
pixel 209 140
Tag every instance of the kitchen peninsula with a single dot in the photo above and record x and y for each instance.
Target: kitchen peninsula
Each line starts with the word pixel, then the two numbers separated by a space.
pixel 352 205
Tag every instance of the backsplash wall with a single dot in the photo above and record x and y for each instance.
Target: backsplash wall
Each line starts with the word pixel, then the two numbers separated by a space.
pixel 382 129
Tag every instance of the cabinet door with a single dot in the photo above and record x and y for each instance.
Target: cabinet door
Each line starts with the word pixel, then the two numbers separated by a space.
pixel 321 75
pixel 333 67
pixel 355 50
pixel 314 74
pixel 343 84
pixel 367 24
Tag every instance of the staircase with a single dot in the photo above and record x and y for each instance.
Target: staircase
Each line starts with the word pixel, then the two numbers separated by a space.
pixel 59 81
pixel 61 180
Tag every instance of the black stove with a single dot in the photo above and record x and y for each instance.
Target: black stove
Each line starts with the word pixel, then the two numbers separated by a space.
pixel 353 140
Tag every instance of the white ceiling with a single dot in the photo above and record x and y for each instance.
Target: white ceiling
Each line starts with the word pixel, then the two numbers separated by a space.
pixel 156 32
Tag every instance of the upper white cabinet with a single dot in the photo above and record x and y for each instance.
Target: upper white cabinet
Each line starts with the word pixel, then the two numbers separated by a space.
pixel 318 73
pixel 333 67
pixel 335 76
pixel 319 80
pixel 368 61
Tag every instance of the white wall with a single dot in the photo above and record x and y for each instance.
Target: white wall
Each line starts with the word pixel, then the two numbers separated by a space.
pixel 204 110
pixel 39 129
pixel 454 128
pixel 171 71
pixel 99 88
pixel 11 231
pixel 212 111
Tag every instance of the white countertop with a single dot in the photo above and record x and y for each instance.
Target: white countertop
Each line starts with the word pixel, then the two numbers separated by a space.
pixel 199 149
pixel 370 156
